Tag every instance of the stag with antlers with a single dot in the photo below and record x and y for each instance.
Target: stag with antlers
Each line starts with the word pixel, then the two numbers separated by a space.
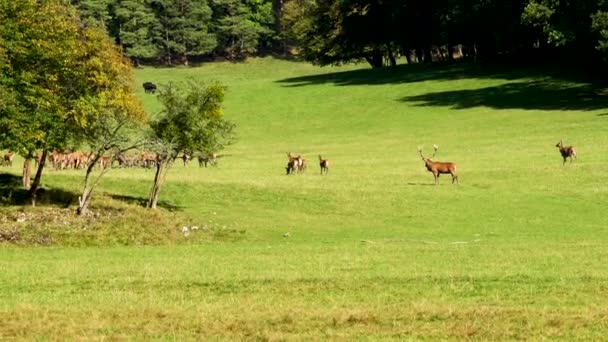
pixel 566 152
pixel 437 168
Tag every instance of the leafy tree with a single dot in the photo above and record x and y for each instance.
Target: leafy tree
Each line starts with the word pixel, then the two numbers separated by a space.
pixel 40 43
pixel 600 26
pixel 110 112
pixel 95 13
pixel 184 28
pixel 58 71
pixel 136 27
pixel 241 25
pixel 191 122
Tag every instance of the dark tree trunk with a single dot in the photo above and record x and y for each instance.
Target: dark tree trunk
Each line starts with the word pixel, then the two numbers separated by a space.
pixel 34 188
pixel 375 60
pixel 428 56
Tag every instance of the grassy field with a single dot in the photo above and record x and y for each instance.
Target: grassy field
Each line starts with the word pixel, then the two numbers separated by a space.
pixel 373 250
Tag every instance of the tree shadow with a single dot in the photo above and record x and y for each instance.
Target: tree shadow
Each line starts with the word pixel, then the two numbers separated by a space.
pixel 535 87
pixel 544 95
pixel 411 73
pixel 12 193
pixel 142 202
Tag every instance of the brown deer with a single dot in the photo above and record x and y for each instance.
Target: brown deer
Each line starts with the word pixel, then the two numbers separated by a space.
pixel 566 152
pixel 295 163
pixel 437 168
pixel 324 164
pixel 8 159
pixel 186 157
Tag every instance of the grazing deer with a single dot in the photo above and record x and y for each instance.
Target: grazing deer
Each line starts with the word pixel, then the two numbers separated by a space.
pixel 324 164
pixel 205 159
pixel 290 168
pixel 437 168
pixel 566 152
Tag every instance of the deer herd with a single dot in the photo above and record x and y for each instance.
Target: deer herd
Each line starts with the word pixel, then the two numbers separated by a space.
pixel 296 164
pixel 79 160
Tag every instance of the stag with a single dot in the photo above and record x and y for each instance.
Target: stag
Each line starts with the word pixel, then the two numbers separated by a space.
pixel 437 168
pixel 566 152
pixel 324 164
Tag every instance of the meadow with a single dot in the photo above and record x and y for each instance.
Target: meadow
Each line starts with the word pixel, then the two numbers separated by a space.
pixel 373 250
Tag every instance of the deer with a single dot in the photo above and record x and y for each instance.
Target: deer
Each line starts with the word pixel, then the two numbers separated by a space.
pixel 566 152
pixel 186 158
pixel 324 164
pixel 295 164
pixel 437 168
pixel 205 159
pixel 8 159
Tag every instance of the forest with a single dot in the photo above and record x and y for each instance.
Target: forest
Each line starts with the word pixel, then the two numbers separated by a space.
pixel 340 31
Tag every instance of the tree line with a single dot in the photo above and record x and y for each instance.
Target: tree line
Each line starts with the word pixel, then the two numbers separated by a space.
pixel 176 31
pixel 340 31
pixel 65 86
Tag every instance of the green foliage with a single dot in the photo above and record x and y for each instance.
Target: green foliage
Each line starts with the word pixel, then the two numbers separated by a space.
pixel 42 45
pixel 192 119
pixel 137 25
pixel 241 26
pixel 184 28
pixel 95 13
pixel 600 26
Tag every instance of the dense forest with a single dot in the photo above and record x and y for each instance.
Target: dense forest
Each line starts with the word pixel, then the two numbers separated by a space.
pixel 339 31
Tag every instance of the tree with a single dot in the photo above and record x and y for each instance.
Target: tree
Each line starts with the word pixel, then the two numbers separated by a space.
pixel 57 70
pixel 241 25
pixel 600 26
pixel 137 25
pixel 95 13
pixel 40 41
pixel 110 114
pixel 191 122
pixel 184 28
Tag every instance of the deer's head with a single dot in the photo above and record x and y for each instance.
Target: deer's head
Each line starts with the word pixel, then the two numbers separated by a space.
pixel 427 160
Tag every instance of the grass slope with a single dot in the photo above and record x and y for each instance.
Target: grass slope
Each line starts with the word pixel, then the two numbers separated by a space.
pixel 374 250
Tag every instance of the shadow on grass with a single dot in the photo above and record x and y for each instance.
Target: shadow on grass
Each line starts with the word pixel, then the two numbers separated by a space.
pixel 12 193
pixel 445 72
pixel 541 95
pixel 538 87
pixel 421 184
pixel 142 202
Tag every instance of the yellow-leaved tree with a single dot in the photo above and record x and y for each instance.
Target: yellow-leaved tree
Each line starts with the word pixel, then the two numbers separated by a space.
pixel 68 85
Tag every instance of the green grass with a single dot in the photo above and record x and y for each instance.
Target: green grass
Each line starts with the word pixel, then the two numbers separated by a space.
pixel 516 251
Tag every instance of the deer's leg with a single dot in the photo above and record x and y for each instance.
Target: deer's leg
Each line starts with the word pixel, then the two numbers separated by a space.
pixel 436 178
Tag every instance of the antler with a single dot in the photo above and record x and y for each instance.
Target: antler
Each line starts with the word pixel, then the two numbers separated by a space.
pixel 436 148
pixel 420 151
